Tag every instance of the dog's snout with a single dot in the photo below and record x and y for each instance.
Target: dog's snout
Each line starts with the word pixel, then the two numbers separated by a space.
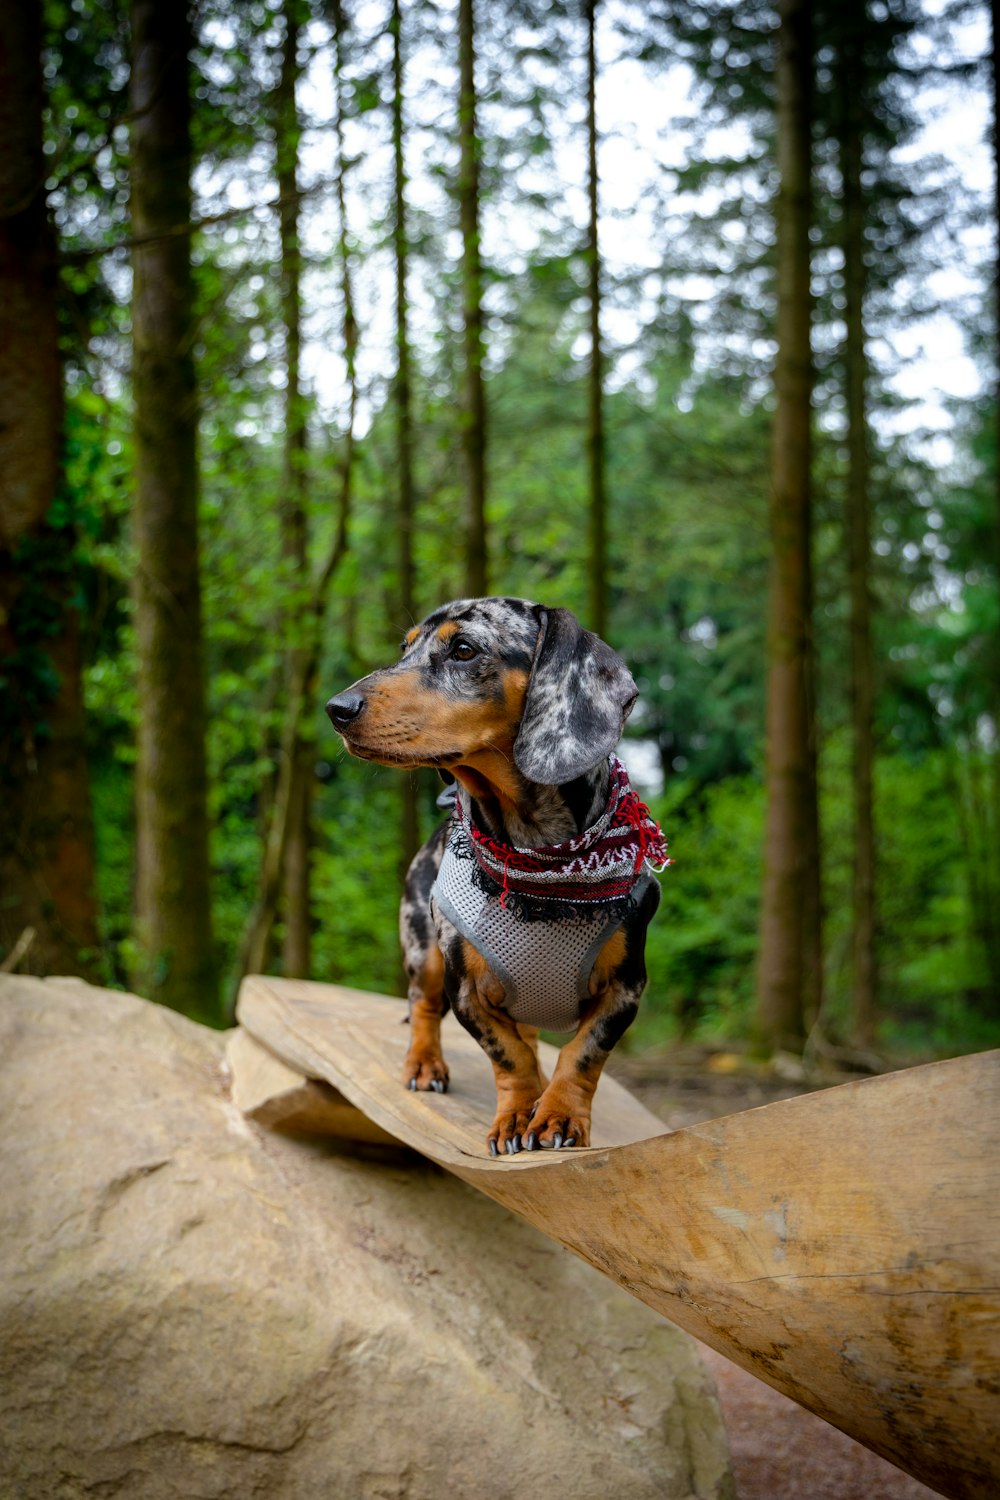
pixel 344 708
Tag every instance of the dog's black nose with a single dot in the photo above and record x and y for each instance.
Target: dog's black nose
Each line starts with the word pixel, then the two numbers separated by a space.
pixel 344 708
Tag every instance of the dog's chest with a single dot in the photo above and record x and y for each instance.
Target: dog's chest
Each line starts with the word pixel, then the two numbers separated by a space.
pixel 544 964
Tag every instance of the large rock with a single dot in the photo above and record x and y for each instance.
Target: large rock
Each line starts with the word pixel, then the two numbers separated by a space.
pixel 193 1307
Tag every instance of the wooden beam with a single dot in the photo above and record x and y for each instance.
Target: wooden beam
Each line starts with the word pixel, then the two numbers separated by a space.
pixel 844 1245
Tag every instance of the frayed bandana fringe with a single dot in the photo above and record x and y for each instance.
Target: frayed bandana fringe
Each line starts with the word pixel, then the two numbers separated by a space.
pixel 599 868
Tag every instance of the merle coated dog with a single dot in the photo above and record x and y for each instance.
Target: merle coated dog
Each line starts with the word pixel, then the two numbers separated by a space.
pixel 529 907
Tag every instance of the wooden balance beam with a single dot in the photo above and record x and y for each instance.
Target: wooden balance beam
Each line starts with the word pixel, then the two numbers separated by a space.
pixel 844 1246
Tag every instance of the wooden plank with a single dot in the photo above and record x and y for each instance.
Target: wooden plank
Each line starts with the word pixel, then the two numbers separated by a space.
pixel 844 1245
pixel 320 1029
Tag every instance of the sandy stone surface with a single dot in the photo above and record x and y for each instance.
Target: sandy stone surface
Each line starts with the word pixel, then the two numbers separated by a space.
pixel 192 1306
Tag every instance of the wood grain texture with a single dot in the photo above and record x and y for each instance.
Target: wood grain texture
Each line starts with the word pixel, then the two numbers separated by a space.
pixel 844 1246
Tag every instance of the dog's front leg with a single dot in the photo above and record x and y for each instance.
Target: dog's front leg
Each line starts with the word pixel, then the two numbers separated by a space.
pixel 562 1115
pixel 425 1067
pixel 476 995
pixel 618 978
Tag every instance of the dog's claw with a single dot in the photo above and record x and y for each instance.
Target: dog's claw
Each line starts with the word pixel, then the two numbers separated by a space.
pixel 570 1140
pixel 557 1140
pixel 493 1148
pixel 531 1142
pixel 423 1082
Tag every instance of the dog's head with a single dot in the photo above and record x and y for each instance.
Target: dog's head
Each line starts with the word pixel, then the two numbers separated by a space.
pixel 502 675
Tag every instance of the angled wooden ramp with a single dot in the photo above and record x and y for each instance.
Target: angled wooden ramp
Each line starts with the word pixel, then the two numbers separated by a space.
pixel 844 1246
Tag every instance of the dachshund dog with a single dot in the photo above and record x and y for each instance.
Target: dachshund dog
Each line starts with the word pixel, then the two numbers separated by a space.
pixel 529 907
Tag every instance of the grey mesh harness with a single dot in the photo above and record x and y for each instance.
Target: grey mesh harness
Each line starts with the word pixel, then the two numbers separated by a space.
pixel 544 965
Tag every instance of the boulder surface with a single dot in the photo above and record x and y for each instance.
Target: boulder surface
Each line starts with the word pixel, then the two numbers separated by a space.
pixel 191 1306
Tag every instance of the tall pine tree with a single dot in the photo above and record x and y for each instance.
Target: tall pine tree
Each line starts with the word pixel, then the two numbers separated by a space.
pixel 788 962
pixel 597 568
pixel 477 569
pixel 294 521
pixel 174 916
pixel 853 98
pixel 48 908
pixel 403 401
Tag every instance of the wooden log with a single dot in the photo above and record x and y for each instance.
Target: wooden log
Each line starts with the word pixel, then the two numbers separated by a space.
pixel 844 1245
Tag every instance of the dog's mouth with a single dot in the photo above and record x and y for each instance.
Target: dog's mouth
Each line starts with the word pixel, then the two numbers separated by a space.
pixel 384 756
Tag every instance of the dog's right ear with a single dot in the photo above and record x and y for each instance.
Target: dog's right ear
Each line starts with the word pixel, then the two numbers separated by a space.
pixel 579 695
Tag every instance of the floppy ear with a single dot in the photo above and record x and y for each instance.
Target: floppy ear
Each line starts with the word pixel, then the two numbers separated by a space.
pixel 579 696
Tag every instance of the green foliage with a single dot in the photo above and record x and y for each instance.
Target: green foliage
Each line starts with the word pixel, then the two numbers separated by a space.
pixel 933 972
pixel 358 880
pixel 934 978
pixel 688 433
pixel 702 944
pixel 689 476
pixel 114 825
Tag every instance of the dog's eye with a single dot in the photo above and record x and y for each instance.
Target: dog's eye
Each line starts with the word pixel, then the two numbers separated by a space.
pixel 463 651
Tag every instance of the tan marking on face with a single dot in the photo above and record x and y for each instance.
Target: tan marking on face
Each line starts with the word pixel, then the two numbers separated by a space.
pixel 493 763
pixel 411 635
pixel 407 722
pixel 491 773
pixel 447 631
pixel 404 720
pixel 515 690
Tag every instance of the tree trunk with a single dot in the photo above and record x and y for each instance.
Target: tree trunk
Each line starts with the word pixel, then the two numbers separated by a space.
pixel 597 567
pixel 858 534
pixel 402 389
pixel 786 947
pixel 296 867
pixel 297 884
pixel 302 687
pixel 995 80
pixel 990 921
pixel 47 888
pixel 409 822
pixel 474 412
pixel 173 886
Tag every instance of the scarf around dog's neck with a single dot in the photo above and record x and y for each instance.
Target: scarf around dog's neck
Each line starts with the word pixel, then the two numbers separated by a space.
pixel 597 868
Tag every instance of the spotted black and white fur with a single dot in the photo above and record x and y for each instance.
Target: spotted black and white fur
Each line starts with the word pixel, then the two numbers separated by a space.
pixel 521 707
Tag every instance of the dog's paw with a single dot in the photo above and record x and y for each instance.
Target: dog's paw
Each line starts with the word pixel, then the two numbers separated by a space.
pixel 508 1131
pixel 558 1122
pixel 425 1072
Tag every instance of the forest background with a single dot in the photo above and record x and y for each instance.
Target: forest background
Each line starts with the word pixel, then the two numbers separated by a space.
pixel 317 313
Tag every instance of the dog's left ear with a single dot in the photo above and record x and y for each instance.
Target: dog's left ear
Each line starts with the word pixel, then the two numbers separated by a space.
pixel 579 695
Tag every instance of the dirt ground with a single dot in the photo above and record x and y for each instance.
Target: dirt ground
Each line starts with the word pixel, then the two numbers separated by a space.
pixel 782 1452
pixel 779 1450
